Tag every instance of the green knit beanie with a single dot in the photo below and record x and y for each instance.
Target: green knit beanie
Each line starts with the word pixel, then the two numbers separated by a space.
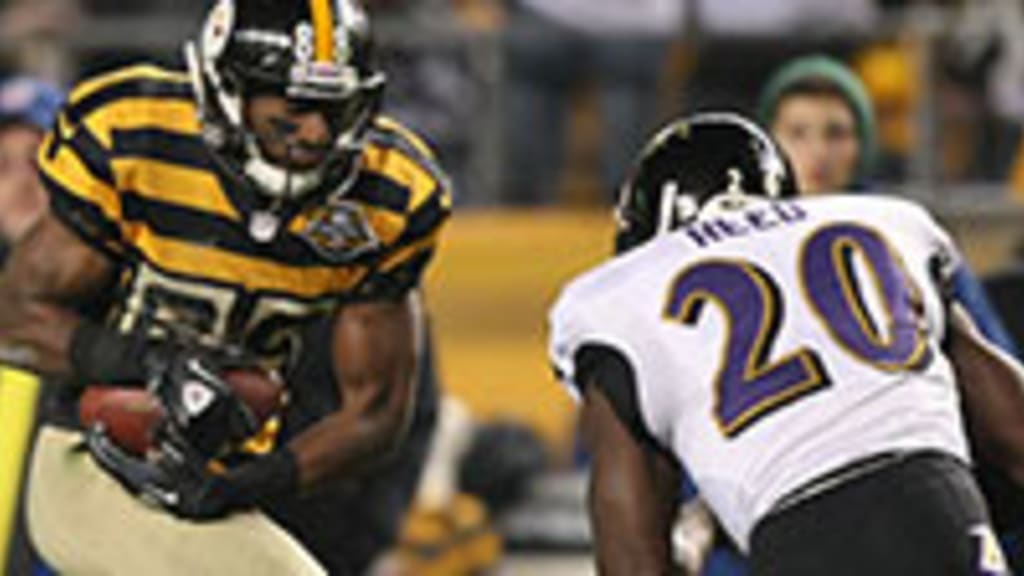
pixel 820 67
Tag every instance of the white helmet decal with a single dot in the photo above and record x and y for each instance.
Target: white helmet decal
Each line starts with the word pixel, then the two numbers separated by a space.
pixel 218 27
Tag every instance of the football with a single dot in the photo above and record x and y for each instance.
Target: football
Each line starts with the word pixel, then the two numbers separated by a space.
pixel 131 416
pixel 262 391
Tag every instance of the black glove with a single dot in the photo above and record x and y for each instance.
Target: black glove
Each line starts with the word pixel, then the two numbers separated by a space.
pixel 175 479
pixel 169 477
pixel 101 354
pixel 202 411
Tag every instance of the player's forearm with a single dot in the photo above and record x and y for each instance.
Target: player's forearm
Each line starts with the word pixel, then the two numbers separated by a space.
pixel 614 563
pixel 616 559
pixel 47 271
pixel 374 351
pixel 35 336
pixel 371 425
pixel 624 546
pixel 992 386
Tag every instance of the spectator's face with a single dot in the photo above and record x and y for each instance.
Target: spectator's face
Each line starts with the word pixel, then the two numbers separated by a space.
pixel 819 133
pixel 22 198
pixel 290 136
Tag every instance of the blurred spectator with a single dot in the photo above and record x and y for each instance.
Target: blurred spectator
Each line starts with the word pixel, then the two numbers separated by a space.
pixel 479 14
pixel 554 45
pixel 988 39
pixel 822 86
pixel 988 35
pixel 38 29
pixel 983 99
pixel 27 109
pixel 820 113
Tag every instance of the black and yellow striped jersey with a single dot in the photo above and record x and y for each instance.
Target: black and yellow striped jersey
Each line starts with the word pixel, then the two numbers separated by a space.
pixel 128 171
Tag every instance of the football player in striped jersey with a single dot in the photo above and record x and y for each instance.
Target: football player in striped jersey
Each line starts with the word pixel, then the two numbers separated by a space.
pixel 204 218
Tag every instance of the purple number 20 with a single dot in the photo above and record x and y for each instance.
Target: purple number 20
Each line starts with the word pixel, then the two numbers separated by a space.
pixel 750 383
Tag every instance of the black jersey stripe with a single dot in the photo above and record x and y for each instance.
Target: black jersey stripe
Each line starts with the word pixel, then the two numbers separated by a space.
pixel 85 219
pixel 396 282
pixel 426 219
pixel 70 175
pixel 90 151
pixel 400 255
pixel 381 191
pixel 163 146
pixel 188 225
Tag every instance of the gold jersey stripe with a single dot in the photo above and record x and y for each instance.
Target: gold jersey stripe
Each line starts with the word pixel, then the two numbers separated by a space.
pixel 388 123
pixel 253 274
pixel 404 171
pixel 323 30
pixel 140 113
pixel 407 253
pixel 182 186
pixel 386 224
pixel 68 170
pixel 139 72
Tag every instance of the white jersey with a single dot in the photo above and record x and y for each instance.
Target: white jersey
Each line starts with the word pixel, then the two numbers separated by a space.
pixel 776 342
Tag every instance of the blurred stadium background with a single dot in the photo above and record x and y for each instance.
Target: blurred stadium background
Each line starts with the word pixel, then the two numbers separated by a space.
pixel 946 79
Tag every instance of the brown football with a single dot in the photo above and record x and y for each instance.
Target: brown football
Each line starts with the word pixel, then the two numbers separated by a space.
pixel 260 390
pixel 131 415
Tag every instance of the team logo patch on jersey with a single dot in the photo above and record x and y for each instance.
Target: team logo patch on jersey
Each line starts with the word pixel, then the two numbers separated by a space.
pixel 340 233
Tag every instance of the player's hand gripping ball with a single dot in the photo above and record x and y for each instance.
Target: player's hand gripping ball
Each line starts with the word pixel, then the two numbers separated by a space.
pixel 131 417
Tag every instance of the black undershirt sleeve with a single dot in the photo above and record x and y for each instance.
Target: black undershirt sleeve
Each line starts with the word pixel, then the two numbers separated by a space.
pixel 610 370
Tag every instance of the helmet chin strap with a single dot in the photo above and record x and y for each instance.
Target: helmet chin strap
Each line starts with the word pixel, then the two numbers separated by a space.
pixel 280 183
pixel 276 182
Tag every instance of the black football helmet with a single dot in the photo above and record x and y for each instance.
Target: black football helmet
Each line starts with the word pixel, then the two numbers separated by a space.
pixel 689 163
pixel 317 53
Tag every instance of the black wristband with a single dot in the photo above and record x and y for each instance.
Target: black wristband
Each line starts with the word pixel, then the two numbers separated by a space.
pixel 101 355
pixel 258 482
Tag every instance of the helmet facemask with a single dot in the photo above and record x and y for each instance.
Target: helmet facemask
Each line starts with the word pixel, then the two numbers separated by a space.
pixel 238 59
